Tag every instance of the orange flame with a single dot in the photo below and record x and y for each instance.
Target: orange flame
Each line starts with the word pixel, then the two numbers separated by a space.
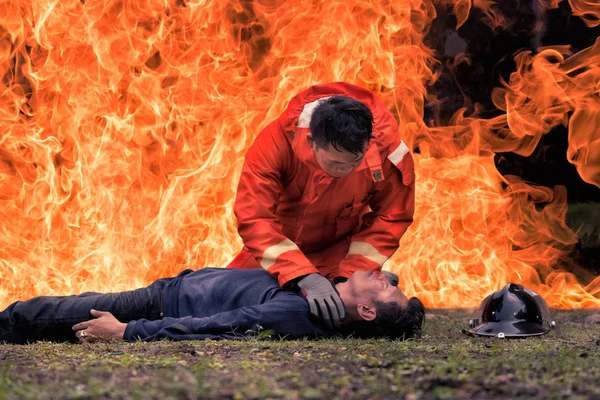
pixel 585 9
pixel 124 125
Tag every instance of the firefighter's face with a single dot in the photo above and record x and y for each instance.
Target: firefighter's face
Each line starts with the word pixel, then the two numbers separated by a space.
pixel 335 163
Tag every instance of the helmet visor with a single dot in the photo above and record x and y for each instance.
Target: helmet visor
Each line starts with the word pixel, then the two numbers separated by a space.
pixel 510 329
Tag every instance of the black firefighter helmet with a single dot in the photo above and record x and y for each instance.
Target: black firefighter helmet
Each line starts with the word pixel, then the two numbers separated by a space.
pixel 514 311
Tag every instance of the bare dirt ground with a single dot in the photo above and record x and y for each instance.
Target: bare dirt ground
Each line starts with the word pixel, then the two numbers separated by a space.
pixel 444 364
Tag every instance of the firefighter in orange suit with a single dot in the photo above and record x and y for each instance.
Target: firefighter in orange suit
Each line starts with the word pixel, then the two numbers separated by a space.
pixel 326 189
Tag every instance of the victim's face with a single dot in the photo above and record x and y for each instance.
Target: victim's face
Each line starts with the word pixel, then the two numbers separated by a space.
pixel 368 287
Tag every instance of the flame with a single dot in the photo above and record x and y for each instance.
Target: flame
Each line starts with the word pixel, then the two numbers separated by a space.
pixel 124 125
pixel 585 9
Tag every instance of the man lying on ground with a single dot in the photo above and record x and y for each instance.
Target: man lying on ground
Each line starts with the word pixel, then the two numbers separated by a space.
pixel 211 303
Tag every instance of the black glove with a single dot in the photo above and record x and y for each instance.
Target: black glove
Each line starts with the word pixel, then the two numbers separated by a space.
pixel 324 301
pixel 391 277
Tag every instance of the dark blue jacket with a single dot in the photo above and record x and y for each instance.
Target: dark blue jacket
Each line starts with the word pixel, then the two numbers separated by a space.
pixel 216 303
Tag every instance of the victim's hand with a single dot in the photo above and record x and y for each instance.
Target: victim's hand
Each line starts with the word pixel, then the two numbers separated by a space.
pixel 104 327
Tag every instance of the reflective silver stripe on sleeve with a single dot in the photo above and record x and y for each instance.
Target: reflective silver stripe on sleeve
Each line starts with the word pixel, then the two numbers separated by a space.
pixel 269 256
pixel 397 155
pixel 307 111
pixel 368 251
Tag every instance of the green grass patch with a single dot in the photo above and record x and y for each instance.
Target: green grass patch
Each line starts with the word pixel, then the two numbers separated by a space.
pixel 444 364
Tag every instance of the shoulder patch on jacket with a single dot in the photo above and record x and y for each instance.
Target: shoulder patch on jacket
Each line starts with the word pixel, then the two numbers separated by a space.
pixel 374 162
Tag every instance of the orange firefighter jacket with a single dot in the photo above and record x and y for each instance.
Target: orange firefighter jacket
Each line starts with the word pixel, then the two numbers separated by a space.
pixel 294 219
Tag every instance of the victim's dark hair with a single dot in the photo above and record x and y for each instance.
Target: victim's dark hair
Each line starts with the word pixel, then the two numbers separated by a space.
pixel 344 123
pixel 393 321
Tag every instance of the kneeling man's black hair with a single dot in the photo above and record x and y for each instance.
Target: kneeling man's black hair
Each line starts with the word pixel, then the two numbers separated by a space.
pixel 342 122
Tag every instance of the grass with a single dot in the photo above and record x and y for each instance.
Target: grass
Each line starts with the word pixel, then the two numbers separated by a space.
pixel 444 364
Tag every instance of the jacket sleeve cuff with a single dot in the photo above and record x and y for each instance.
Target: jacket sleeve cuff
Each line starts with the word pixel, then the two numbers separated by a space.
pixel 283 279
pixel 355 262
pixel 128 334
